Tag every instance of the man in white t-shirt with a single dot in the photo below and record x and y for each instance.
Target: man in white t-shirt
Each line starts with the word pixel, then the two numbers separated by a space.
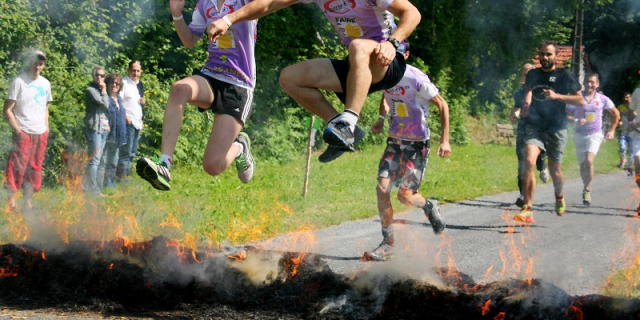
pixel 133 100
pixel 25 108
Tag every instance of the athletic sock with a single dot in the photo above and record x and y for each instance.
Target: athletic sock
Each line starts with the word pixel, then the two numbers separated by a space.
pixel 334 117
pixel 240 148
pixel 349 117
pixel 167 159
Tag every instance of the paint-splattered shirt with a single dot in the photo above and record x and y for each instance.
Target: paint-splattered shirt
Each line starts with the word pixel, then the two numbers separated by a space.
pixel 354 19
pixel 231 57
pixel 409 105
pixel 592 112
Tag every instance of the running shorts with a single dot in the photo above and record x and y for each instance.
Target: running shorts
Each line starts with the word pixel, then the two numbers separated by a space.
pixel 228 98
pixel 404 162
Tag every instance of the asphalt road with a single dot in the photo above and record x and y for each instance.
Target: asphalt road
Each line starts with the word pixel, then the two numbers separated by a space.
pixel 576 252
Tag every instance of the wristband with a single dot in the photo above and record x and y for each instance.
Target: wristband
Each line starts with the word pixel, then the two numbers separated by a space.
pixel 381 117
pixel 526 105
pixel 177 18
pixel 632 123
pixel 226 19
pixel 576 120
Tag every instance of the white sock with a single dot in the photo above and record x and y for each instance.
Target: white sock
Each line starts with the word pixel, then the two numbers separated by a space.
pixel 349 117
pixel 240 146
pixel 167 159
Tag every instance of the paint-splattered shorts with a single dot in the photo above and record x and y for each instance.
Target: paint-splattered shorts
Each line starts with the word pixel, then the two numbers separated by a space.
pixel 404 162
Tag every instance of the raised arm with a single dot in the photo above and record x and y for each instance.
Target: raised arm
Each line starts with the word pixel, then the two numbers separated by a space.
pixel 575 99
pixel 614 123
pixel 186 36
pixel 253 10
pixel 444 150
pixel 409 18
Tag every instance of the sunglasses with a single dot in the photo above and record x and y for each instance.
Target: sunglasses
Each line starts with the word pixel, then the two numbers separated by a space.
pixel 116 84
pixel 100 75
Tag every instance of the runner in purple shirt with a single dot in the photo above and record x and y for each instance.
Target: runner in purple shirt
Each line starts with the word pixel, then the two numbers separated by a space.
pixel 588 136
pixel 224 86
pixel 375 60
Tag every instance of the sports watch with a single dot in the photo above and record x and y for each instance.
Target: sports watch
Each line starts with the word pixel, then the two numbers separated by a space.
pixel 394 42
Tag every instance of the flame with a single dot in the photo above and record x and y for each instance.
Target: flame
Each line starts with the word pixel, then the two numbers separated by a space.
pixel 111 266
pixel 500 316
pixel 485 307
pixel 239 256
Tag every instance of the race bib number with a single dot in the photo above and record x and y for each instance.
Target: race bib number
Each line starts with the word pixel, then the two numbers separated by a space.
pixel 400 109
pixel 350 27
pixel 591 116
pixel 226 41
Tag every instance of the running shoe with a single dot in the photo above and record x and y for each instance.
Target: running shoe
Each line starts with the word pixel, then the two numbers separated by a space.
pixel 432 211
pixel 630 172
pixel 586 197
pixel 520 202
pixel 382 253
pixel 525 215
pixel 156 172
pixel 333 152
pixel 621 165
pixel 544 175
pixel 339 135
pixel 244 163
pixel 560 207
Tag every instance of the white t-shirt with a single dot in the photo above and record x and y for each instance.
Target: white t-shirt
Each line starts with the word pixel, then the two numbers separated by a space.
pixel 31 98
pixel 131 101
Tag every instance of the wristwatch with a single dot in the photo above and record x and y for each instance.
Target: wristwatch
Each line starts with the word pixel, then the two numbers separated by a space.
pixel 394 42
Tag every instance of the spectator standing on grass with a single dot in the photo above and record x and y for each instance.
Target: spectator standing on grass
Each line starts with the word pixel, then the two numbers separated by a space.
pixel 547 92
pixel 406 155
pixel 26 111
pixel 117 137
pixel 541 163
pixel 374 63
pixel 624 140
pixel 588 136
pixel 133 101
pixel 225 85
pixel 96 129
pixel 634 133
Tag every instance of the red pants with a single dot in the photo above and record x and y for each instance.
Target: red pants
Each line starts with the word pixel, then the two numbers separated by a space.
pixel 25 160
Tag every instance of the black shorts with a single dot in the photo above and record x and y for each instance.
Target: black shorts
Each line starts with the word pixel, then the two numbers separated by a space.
pixel 394 74
pixel 228 98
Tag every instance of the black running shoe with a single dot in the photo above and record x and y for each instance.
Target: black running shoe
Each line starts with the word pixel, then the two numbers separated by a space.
pixel 333 152
pixel 381 253
pixel 339 135
pixel 156 172
pixel 519 202
pixel 432 210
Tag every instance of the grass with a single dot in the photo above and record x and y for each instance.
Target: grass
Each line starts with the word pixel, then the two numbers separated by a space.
pixel 201 210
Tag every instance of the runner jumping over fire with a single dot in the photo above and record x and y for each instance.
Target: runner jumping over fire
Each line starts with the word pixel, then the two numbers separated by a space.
pixel 407 153
pixel 225 86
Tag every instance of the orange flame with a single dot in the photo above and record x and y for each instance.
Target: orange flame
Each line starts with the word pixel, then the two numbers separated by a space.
pixel 239 256
pixel 485 308
pixel 500 316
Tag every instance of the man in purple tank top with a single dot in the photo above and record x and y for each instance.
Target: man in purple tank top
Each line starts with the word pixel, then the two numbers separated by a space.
pixel 375 60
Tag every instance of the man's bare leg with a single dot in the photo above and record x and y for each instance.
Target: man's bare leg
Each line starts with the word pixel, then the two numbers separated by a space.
pixel 385 210
pixel 221 151
pixel 303 80
pixel 528 177
pixel 363 71
pixel 555 169
pixel 194 90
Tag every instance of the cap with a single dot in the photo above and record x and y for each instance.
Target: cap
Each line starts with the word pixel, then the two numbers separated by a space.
pixel 37 54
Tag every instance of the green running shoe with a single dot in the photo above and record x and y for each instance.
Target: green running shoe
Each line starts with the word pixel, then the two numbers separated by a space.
pixel 244 163
pixel 156 172
pixel 586 197
pixel 560 207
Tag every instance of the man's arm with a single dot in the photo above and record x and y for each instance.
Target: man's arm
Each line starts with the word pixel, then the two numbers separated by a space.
pixel 575 99
pixel 614 123
pixel 253 10
pixel 528 95
pixel 444 150
pixel 409 18
pixel 186 36
pixel 377 126
pixel 11 118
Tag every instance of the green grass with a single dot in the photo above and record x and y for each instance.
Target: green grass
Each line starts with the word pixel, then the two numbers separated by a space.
pixel 202 209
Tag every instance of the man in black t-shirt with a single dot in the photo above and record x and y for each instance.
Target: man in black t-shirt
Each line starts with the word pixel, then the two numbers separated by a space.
pixel 547 92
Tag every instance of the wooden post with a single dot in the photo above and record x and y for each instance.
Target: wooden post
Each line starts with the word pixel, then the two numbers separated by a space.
pixel 306 171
